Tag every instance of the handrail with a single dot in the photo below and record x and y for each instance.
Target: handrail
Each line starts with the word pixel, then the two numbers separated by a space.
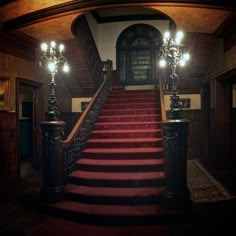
pixel 163 110
pixel 76 140
pixel 77 126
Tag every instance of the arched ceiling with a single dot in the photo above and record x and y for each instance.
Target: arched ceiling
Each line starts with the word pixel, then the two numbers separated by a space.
pixel 21 7
pixel 191 19
pixel 188 17
pixel 58 29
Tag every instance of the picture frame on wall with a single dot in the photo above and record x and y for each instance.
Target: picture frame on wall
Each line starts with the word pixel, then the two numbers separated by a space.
pixel 4 92
pixel 84 105
pixel 185 103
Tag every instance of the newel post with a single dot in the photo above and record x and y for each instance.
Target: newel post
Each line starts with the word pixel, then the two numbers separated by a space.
pixel 52 188
pixel 175 135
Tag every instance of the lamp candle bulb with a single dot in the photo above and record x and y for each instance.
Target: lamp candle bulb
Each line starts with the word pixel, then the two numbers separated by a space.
pixel 179 37
pixel 66 68
pixel 53 44
pixel 166 35
pixel 186 56
pixel 44 47
pixel 61 48
pixel 162 63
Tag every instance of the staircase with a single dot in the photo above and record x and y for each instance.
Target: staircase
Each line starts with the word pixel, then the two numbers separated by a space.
pixel 120 179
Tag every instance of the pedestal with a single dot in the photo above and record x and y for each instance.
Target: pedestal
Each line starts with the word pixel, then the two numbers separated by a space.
pixel 52 188
pixel 175 134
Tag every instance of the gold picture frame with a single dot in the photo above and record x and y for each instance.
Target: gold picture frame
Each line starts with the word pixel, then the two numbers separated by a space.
pixel 4 92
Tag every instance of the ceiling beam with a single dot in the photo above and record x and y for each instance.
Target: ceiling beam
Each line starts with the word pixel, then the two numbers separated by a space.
pixel 81 6
pixel 5 2
pixel 108 19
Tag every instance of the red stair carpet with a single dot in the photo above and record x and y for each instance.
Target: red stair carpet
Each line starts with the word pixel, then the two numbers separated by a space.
pixel 119 181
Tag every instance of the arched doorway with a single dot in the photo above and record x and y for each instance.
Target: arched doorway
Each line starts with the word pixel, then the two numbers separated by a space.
pixel 137 51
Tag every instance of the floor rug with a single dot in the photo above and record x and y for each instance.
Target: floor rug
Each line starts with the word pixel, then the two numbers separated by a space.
pixel 203 186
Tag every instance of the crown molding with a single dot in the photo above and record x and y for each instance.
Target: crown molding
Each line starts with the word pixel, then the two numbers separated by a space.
pixel 73 7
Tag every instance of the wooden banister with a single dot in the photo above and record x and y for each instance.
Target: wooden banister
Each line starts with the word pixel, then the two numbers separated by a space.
pixel 76 140
pixel 77 126
pixel 163 111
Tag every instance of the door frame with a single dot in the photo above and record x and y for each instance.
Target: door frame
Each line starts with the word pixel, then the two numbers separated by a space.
pixel 223 118
pixel 124 45
pixel 38 111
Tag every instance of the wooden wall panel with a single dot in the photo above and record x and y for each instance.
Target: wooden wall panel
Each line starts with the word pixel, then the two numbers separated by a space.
pixel 233 140
pixel 194 138
pixel 223 101
pixel 8 157
pixel 205 123
pixel 18 44
pixel 192 76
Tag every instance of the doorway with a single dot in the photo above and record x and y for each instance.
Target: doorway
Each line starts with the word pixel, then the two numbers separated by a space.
pixel 233 130
pixel 137 51
pixel 29 108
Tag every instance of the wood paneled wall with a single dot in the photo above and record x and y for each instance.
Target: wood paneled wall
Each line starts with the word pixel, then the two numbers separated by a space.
pixel 8 158
pixel 233 135
pixel 200 47
pixel 195 133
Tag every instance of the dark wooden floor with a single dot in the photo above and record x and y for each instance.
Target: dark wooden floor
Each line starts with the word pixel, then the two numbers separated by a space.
pixel 212 212
pixel 19 212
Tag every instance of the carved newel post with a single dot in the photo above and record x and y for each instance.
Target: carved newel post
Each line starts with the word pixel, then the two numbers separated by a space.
pixel 52 188
pixel 175 135
pixel 175 129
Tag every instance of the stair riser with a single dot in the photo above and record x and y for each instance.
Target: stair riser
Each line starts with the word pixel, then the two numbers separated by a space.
pixel 131 201
pixel 120 168
pixel 126 135
pixel 127 119
pixel 118 183
pixel 117 220
pixel 133 94
pixel 125 112
pixel 131 106
pixel 127 126
pixel 120 156
pixel 124 145
pixel 131 100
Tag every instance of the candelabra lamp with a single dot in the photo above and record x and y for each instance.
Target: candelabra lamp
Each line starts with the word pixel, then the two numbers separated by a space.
pixel 53 60
pixel 172 54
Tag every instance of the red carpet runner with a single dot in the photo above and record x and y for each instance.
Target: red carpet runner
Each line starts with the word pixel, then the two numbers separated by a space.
pixel 119 179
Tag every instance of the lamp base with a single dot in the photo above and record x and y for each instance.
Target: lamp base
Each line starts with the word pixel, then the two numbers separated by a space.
pixel 176 114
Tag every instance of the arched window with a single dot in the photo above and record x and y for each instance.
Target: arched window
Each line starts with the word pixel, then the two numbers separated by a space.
pixel 137 51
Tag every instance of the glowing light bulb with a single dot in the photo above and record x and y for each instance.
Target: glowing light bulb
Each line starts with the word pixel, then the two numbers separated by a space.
pixel 66 68
pixel 182 62
pixel 162 63
pixel 52 67
pixel 179 37
pixel 186 56
pixel 44 47
pixel 166 35
pixel 61 48
pixel 53 44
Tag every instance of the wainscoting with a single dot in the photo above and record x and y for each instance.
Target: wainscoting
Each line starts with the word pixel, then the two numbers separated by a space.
pixel 195 129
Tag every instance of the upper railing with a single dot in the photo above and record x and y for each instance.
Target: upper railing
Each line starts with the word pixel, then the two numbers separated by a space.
pixel 77 138
pixel 84 37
